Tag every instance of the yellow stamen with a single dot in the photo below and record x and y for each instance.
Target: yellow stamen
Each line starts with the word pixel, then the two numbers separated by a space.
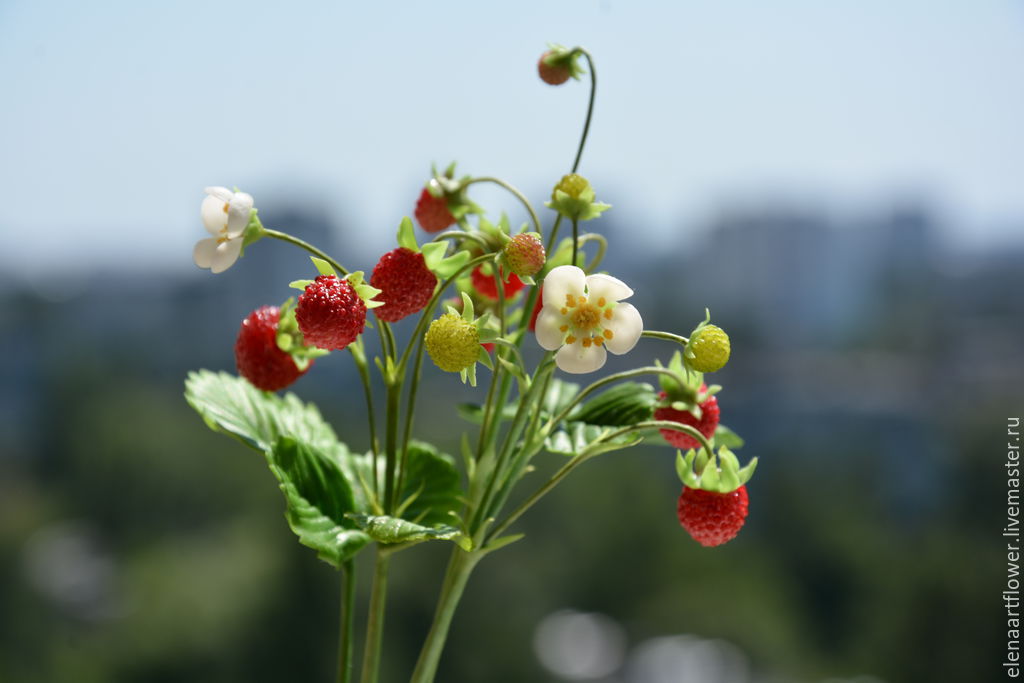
pixel 565 311
pixel 587 342
pixel 608 334
pixel 570 301
pixel 601 302
pixel 586 317
pixel 599 340
pixel 563 328
pixel 570 339
pixel 583 300
pixel 608 313
pixel 226 207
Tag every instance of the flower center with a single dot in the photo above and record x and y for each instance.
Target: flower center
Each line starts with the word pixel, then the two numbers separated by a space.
pixel 586 317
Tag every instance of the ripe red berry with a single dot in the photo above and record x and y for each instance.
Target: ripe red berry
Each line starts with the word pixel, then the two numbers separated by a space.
pixel 484 283
pixel 257 356
pixel 552 75
pixel 405 284
pixel 432 212
pixel 712 518
pixel 537 308
pixel 330 313
pixel 706 425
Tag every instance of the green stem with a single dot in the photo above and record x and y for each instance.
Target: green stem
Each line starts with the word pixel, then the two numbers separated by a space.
pixel 359 356
pixel 463 235
pixel 654 334
pixel 554 234
pixel 511 188
pixel 590 107
pixel 285 237
pixel 393 393
pixel 375 621
pixel 410 408
pixel 347 620
pixel 575 240
pixel 459 569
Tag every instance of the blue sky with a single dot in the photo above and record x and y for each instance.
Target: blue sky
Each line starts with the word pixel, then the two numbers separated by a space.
pixel 117 113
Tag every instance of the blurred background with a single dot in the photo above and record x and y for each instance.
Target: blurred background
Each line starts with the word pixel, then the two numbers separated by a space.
pixel 839 182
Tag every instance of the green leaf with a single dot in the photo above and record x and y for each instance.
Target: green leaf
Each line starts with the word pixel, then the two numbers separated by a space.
pixel 473 412
pixel 431 486
pixel 624 404
pixel 257 418
pixel 393 530
pixel 559 394
pixel 728 438
pixel 319 499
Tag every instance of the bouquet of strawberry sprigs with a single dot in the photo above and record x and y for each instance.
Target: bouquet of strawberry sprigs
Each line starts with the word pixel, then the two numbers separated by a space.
pixel 476 293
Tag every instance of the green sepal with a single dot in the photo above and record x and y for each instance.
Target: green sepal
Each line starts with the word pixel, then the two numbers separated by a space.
pixel 300 284
pixel 561 56
pixel 582 208
pixel 364 290
pixel 253 231
pixel 721 474
pixel 407 235
pixel 437 263
pixel 485 359
pixel 323 267
pixel 389 530
pixel 290 340
pixel 468 314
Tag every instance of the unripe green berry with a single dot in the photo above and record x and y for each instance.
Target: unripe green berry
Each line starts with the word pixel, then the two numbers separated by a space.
pixel 710 347
pixel 524 254
pixel 572 184
pixel 453 343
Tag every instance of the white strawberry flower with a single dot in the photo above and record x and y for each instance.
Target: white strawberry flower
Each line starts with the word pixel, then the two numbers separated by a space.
pixel 583 316
pixel 225 215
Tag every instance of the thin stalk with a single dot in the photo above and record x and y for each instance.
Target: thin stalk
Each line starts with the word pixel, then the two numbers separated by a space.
pixel 359 356
pixel 511 188
pixel 375 620
pixel 347 620
pixel 463 235
pixel 655 334
pixel 393 398
pixel 554 233
pixel 410 408
pixel 285 237
pixel 590 107
pixel 456 577
pixel 575 239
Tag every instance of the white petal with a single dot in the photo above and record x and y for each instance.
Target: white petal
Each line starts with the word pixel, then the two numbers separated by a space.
pixel 626 326
pixel 578 359
pixel 226 254
pixel 561 281
pixel 608 287
pixel 203 252
pixel 221 193
pixel 548 335
pixel 238 213
pixel 212 213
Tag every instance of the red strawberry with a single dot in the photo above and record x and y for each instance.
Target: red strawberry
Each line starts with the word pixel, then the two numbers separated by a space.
pixel 552 75
pixel 537 307
pixel 488 346
pixel 484 284
pixel 405 284
pixel 257 355
pixel 712 518
pixel 432 212
pixel 330 313
pixel 706 425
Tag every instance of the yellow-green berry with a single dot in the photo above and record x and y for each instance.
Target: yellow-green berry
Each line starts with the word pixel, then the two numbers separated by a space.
pixel 572 184
pixel 453 343
pixel 710 349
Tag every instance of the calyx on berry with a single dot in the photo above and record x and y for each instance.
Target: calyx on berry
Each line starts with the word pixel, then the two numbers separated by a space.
pixel 453 190
pixel 559 64
pixel 686 390
pixel 719 474
pixel 434 253
pixel 573 197
pixel 362 289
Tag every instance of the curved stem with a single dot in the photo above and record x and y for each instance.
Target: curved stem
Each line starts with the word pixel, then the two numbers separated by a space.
pixel 347 620
pixel 655 334
pixel 590 107
pixel 602 246
pixel 285 237
pixel 375 621
pixel 463 235
pixel 519 195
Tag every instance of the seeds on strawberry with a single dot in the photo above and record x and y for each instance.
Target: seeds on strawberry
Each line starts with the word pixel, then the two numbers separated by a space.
pixel 524 254
pixel 257 356
pixel 432 212
pixel 452 343
pixel 405 282
pixel 712 518
pixel 710 414
pixel 330 313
